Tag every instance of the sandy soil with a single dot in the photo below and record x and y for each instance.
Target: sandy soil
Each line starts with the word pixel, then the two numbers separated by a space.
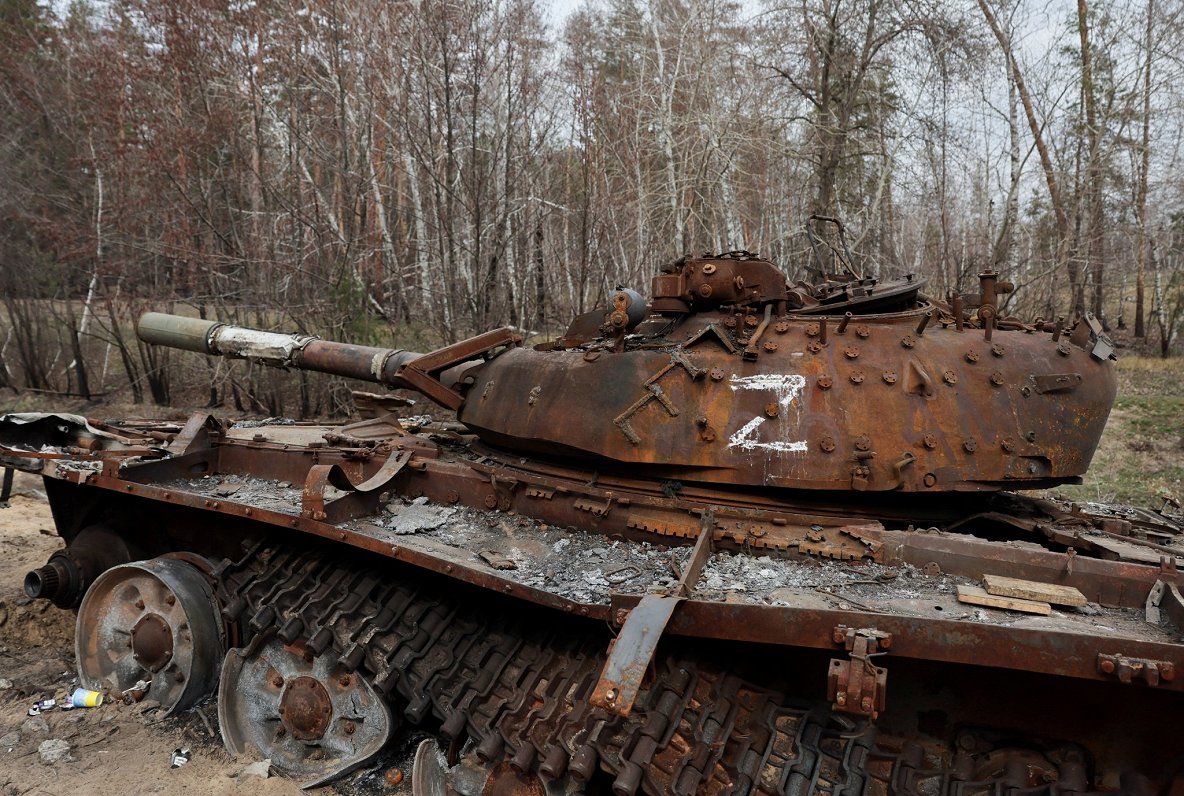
pixel 113 748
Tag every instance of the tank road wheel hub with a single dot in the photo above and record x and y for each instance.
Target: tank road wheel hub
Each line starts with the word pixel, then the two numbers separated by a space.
pixel 152 621
pixel 152 642
pixel 305 709
pixel 313 719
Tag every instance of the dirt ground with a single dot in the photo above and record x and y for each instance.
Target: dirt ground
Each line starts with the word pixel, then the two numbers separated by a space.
pixel 113 748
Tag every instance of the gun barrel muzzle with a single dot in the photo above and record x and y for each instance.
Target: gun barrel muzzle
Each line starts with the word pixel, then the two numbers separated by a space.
pixel 176 331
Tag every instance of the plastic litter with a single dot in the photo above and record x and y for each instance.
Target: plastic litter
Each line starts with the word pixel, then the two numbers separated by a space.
pixel 179 757
pixel 42 706
pixel 85 698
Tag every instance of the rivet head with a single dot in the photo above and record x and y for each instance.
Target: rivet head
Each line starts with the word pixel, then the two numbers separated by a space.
pixel 929 441
pixel 716 374
pixel 1064 350
pixel 812 330
pixel 730 322
pixel 770 346
pixel 750 320
pixel 851 352
pixel 998 350
pixel 949 377
pixel 908 341
pixel 863 332
pixel 771 409
pixel 781 328
pixel 827 444
pixel 969 445
pixel 889 377
pixel 857 377
pixel 1007 445
pixel 863 442
pixel 491 501
pixel 824 382
pixel 815 347
pixel 997 379
pixel 972 356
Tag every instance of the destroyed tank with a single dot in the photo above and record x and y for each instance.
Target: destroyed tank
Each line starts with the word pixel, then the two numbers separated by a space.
pixel 747 536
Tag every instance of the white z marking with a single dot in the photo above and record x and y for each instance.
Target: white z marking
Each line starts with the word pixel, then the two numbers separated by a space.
pixel 786 387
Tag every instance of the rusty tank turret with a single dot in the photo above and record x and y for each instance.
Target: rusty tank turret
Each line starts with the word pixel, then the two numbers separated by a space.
pixel 743 536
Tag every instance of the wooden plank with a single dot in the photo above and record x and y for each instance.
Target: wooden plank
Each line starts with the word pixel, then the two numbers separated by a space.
pixel 973 595
pixel 1033 590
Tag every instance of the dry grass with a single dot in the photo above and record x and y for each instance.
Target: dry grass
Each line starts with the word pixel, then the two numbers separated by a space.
pixel 1141 456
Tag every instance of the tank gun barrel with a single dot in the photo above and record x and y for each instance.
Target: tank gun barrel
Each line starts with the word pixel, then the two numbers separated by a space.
pixel 305 352
pixel 434 374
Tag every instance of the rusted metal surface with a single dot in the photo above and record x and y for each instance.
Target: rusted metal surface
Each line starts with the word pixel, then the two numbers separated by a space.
pixel 855 684
pixel 641 628
pixel 631 652
pixel 883 411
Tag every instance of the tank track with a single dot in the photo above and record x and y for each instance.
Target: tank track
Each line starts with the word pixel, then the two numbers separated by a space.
pixel 520 692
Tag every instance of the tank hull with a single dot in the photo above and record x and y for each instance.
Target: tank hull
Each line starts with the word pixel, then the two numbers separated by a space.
pixel 429 568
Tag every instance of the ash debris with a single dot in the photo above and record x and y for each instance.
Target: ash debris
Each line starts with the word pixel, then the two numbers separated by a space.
pixel 570 563
pixel 418 515
pixel 279 496
pixel 760 576
pixel 267 421
pixel 78 465
pixel 591 569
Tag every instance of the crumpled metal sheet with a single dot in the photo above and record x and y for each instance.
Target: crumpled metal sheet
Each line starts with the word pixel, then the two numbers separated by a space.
pixel 36 431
